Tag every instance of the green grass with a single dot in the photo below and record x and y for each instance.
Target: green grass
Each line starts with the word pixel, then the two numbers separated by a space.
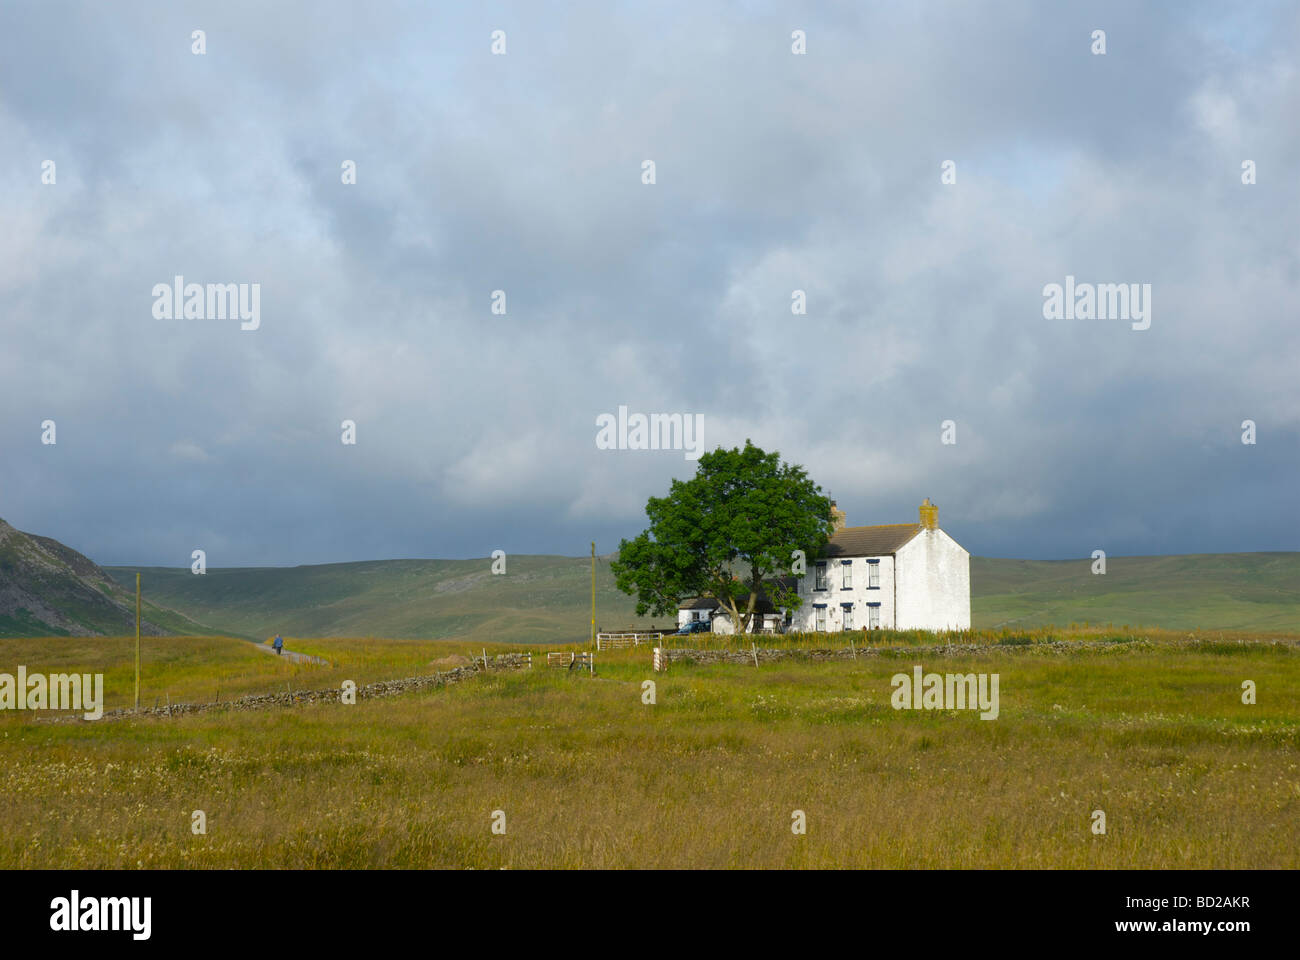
pixel 204 669
pixel 195 669
pixel 1152 731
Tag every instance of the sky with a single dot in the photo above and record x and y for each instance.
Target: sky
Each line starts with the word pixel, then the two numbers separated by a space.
pixel 525 172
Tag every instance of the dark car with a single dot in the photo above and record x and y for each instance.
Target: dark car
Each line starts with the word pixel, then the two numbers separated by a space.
pixel 694 626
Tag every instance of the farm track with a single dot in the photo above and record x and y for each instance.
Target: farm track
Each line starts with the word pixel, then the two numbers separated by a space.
pixel 291 656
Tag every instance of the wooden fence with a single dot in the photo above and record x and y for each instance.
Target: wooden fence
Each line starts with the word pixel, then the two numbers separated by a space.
pixel 572 661
pixel 623 639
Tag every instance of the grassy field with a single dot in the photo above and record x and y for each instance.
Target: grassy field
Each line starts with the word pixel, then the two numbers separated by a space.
pixel 1148 727
pixel 1230 591
pixel 547 599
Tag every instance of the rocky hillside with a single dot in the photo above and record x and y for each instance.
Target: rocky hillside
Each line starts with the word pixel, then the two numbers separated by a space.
pixel 48 589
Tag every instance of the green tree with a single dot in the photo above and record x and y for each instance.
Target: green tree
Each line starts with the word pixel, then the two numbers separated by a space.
pixel 736 523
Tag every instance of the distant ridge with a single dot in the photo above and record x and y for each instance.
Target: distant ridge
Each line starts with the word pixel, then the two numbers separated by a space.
pixel 1253 592
pixel 539 599
pixel 546 599
pixel 49 589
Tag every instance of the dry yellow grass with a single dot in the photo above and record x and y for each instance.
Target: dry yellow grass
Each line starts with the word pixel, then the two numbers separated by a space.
pixel 589 776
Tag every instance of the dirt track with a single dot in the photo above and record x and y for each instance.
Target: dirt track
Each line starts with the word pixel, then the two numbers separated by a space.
pixel 290 655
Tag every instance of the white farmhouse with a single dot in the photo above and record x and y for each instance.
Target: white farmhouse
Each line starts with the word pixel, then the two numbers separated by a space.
pixel 901 576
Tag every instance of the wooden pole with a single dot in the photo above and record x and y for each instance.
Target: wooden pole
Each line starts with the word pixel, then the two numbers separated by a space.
pixel 137 643
pixel 593 592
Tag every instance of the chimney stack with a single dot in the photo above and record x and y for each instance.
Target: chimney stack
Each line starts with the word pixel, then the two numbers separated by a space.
pixel 837 517
pixel 929 515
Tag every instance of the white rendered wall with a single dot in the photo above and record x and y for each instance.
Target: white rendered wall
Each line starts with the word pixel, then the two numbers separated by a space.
pixel 805 618
pixel 933 583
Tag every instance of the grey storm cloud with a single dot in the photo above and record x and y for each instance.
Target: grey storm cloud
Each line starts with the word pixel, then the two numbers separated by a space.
pixel 522 173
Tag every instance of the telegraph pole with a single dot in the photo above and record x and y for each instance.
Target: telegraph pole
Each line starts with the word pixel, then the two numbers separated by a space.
pixel 593 593
pixel 137 643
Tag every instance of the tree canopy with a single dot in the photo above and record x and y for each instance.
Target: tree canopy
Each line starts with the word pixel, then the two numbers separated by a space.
pixel 726 534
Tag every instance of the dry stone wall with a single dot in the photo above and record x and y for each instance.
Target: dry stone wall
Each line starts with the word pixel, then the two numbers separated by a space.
pixel 284 698
pixel 740 655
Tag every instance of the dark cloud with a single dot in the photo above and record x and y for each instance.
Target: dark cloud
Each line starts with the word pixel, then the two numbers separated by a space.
pixel 522 173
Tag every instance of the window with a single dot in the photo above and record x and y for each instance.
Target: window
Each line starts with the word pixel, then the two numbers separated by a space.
pixel 821 577
pixel 873 616
pixel 821 619
pixel 873 574
pixel 847 567
pixel 848 616
pixel 695 615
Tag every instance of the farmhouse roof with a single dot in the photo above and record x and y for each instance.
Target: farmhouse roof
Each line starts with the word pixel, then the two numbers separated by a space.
pixel 700 603
pixel 876 541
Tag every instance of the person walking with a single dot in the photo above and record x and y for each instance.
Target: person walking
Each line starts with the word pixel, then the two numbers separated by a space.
pixel 278 644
